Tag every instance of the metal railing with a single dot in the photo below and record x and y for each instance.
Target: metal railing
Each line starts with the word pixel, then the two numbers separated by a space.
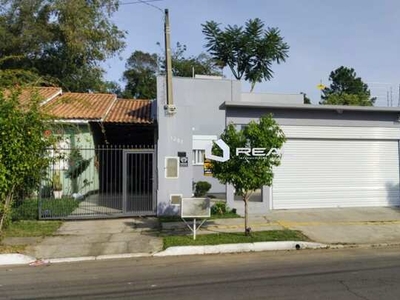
pixel 105 181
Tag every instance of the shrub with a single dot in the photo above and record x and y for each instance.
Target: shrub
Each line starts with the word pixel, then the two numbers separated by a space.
pixel 219 208
pixel 28 209
pixel 201 189
pixel 25 210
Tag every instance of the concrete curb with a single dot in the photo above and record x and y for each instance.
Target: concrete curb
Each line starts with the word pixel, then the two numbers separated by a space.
pixel 21 259
pixel 235 248
pixel 92 258
pixel 15 259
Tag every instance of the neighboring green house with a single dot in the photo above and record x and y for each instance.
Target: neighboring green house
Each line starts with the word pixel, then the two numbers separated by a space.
pixel 100 158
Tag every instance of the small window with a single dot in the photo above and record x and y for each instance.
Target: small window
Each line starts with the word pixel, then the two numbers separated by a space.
pixel 198 157
pixel 171 167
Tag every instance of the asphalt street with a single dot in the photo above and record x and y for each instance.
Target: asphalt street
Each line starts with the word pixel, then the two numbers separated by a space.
pixel 369 273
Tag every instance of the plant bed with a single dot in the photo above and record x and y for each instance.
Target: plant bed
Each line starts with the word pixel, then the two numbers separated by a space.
pixel 58 208
pixel 169 219
pixel 233 238
pixel 219 210
pixel 28 209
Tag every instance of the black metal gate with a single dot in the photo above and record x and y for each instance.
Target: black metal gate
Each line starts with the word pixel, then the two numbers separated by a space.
pixel 99 182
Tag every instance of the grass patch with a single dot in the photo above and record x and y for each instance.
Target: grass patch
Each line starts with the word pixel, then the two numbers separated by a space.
pixel 31 228
pixel 4 249
pixel 233 238
pixel 28 209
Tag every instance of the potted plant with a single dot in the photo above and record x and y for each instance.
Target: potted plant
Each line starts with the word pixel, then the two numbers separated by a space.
pixel 57 186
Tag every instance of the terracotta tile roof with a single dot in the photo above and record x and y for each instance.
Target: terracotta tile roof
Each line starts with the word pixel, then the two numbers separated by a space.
pixel 44 93
pixel 80 106
pixel 130 111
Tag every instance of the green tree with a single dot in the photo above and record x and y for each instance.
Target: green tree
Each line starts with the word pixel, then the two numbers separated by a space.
pixel 348 99
pixel 62 41
pixel 244 173
pixel 142 69
pixel 187 66
pixel 346 89
pixel 15 77
pixel 248 51
pixel 22 148
pixel 140 75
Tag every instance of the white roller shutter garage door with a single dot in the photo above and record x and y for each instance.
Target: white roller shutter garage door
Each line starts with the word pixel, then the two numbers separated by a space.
pixel 318 173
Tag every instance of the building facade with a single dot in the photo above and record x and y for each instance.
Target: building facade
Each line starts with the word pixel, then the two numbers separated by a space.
pixel 335 156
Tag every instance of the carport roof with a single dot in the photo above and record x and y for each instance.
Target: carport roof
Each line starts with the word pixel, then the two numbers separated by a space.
pixel 231 104
pixel 130 111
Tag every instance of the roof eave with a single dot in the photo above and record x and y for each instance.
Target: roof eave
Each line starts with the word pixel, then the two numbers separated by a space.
pixel 229 104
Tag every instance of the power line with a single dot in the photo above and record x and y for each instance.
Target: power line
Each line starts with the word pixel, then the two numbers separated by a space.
pixel 141 2
pixel 154 6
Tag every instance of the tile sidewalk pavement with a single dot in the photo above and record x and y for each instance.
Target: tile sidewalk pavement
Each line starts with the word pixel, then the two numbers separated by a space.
pixel 142 235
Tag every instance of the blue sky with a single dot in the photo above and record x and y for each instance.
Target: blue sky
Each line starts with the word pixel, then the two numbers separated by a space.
pixel 322 35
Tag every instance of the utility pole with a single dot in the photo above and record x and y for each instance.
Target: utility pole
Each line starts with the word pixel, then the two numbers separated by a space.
pixel 168 60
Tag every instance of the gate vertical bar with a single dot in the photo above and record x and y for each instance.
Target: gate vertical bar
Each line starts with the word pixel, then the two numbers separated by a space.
pixel 124 179
pixel 154 182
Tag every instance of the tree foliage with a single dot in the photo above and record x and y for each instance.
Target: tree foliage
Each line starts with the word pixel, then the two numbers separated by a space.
pixel 248 51
pixel 306 99
pixel 22 148
pixel 346 89
pixel 248 174
pixel 140 75
pixel 61 41
pixel 183 66
pixel 142 69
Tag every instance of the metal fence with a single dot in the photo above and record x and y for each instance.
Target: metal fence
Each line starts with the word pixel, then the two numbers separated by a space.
pixel 106 181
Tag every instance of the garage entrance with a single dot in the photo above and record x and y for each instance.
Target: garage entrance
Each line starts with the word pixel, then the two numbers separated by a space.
pixel 319 173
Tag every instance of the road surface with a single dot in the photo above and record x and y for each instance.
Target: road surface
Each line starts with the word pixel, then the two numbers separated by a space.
pixel 319 274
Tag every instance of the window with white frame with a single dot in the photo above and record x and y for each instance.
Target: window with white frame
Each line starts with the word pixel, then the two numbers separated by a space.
pixel 200 143
pixel 198 157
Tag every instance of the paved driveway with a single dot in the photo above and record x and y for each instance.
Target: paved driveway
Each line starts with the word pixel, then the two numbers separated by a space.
pixel 343 225
pixel 100 237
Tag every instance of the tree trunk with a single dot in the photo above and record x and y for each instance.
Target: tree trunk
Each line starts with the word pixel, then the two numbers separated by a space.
pixel 6 208
pixel 246 216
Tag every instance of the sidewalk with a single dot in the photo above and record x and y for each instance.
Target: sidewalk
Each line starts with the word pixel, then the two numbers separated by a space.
pixel 98 237
pixel 131 237
pixel 361 226
pixel 257 223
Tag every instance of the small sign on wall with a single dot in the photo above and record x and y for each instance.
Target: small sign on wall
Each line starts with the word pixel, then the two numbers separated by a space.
pixel 183 159
pixel 207 167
